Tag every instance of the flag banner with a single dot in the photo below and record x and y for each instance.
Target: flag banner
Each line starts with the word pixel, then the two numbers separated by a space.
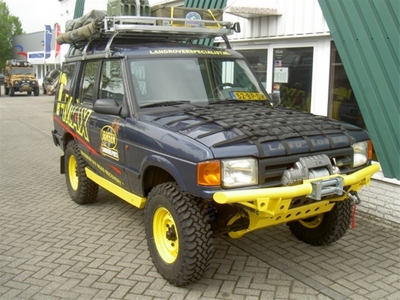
pixel 47 41
pixel 58 33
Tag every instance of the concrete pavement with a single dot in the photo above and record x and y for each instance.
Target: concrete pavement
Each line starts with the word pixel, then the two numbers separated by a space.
pixel 52 248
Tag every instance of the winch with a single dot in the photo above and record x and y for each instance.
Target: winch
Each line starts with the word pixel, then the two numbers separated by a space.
pixel 316 166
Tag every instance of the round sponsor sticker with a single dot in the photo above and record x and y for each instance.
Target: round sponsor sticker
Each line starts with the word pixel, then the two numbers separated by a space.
pixel 194 17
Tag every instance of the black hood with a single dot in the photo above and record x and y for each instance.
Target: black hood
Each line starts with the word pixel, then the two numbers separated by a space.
pixel 274 130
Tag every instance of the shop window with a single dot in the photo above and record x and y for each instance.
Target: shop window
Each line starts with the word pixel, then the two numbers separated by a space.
pixel 258 61
pixel 342 101
pixel 293 76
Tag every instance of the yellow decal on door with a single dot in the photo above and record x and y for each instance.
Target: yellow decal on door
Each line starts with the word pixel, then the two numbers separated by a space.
pixel 109 142
pixel 75 116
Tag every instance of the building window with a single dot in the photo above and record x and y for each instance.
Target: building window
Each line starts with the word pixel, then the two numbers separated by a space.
pixel 342 102
pixel 293 76
pixel 258 62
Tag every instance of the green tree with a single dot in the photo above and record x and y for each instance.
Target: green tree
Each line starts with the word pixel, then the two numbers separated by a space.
pixel 10 26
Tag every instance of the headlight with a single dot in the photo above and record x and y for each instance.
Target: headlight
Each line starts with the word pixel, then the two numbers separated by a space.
pixel 239 172
pixel 360 153
pixel 228 172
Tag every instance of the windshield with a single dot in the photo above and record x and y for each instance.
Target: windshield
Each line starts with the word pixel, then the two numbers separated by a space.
pixel 22 71
pixel 194 80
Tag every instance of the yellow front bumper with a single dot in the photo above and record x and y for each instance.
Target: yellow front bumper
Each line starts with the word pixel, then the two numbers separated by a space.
pixel 270 206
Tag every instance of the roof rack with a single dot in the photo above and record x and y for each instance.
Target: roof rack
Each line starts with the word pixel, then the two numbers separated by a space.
pixel 193 29
pixel 161 27
pixel 175 29
pixel 166 28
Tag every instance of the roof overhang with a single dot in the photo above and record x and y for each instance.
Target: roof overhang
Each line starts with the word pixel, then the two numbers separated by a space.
pixel 252 11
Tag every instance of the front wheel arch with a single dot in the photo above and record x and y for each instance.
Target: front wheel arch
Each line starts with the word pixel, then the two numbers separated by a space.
pixel 168 170
pixel 154 176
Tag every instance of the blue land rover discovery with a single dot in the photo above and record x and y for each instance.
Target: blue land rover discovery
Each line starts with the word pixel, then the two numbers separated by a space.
pixel 189 134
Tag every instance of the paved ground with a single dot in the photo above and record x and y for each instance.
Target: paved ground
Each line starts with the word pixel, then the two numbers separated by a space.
pixel 51 248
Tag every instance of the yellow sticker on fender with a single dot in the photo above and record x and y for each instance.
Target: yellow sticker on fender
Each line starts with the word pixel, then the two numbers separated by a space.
pixel 249 96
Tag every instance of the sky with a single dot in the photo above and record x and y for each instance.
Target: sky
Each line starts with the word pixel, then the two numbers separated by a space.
pixel 34 14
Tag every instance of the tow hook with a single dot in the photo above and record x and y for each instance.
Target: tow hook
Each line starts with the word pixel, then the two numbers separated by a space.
pixel 354 196
pixel 356 200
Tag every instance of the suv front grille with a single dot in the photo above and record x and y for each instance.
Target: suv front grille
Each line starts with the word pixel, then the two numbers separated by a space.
pixel 271 169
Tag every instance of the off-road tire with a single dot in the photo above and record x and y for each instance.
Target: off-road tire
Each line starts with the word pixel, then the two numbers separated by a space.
pixel 36 91
pixel 7 90
pixel 178 234
pixel 81 189
pixel 12 92
pixel 333 225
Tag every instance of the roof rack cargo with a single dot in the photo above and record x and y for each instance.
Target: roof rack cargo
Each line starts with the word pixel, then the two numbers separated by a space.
pixel 156 27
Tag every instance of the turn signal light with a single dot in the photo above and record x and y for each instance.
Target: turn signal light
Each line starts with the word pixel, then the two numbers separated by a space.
pixel 209 173
pixel 370 150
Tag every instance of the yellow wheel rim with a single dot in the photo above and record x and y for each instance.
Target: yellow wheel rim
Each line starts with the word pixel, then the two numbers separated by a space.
pixel 73 172
pixel 165 235
pixel 312 222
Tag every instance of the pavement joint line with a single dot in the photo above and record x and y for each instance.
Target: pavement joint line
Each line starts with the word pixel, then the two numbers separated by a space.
pixel 287 269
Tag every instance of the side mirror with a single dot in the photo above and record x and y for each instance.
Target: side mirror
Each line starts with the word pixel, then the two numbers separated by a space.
pixel 107 106
pixel 275 98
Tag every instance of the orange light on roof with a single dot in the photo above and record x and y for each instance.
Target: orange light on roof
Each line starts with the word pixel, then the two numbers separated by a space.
pixel 209 173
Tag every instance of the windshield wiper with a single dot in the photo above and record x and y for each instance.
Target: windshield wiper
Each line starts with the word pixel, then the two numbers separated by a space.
pixel 223 100
pixel 165 103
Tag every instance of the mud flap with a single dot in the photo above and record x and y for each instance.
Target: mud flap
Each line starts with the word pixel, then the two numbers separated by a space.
pixel 62 165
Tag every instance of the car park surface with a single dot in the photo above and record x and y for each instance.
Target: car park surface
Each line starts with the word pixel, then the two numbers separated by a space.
pixel 51 248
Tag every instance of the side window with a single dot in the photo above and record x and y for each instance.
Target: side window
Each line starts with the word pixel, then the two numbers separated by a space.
pixel 139 78
pixel 65 81
pixel 112 84
pixel 88 81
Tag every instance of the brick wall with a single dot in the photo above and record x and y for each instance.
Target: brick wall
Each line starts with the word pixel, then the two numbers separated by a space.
pixel 381 199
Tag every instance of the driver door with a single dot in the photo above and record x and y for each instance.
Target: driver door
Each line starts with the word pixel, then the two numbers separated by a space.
pixel 106 131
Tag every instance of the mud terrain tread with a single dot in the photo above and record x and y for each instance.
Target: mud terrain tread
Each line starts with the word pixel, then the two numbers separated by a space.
pixel 333 226
pixel 194 233
pixel 87 189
